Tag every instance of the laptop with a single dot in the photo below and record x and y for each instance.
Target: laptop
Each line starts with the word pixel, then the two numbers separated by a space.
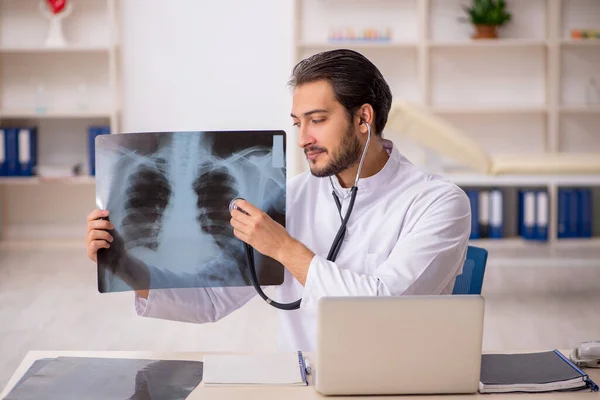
pixel 399 345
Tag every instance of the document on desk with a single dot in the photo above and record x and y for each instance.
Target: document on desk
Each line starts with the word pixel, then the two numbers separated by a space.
pixel 531 372
pixel 272 369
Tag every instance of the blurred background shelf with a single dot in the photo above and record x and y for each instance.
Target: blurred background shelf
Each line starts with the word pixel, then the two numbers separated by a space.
pixel 58 114
pixel 37 180
pixel 530 91
pixel 64 94
pixel 45 50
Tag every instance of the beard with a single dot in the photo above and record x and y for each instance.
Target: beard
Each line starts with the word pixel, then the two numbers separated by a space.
pixel 347 154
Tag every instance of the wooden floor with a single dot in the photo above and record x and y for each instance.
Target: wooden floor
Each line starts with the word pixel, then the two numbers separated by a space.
pixel 49 301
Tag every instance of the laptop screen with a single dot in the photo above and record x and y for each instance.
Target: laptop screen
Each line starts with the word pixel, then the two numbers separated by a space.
pixel 168 195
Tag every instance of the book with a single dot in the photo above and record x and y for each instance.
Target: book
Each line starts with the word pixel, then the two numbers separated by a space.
pixel 275 369
pixel 531 372
pixel 541 215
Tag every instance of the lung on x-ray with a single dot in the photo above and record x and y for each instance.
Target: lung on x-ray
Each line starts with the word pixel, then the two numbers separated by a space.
pixel 168 195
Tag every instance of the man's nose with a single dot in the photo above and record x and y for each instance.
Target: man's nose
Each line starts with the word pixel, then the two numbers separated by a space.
pixel 304 138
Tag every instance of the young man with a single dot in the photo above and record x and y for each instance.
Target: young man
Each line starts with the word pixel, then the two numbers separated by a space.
pixel 407 234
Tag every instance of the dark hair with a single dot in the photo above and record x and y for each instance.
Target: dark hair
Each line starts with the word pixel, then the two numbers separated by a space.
pixel 355 81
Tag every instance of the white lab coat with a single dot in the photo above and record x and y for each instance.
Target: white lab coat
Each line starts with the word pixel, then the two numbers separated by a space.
pixel 408 235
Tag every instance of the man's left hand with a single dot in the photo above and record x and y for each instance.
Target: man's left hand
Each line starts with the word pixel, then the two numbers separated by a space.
pixel 258 229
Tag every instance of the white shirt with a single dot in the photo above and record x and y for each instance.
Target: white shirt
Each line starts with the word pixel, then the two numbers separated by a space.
pixel 407 235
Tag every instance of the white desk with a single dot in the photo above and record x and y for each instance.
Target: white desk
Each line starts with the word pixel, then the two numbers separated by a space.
pixel 288 393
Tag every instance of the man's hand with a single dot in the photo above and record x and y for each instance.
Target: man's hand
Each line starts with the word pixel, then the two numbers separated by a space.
pixel 259 230
pixel 97 235
pixel 98 238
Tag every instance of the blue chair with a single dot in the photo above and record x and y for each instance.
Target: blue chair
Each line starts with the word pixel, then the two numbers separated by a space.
pixel 470 280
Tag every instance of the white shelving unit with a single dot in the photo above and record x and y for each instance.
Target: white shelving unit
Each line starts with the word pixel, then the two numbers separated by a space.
pixel 61 91
pixel 477 85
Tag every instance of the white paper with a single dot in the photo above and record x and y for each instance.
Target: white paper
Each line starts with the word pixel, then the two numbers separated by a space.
pixel 542 209
pixel 276 369
pixel 529 210
pixel 2 151
pixel 496 208
pixel 24 146
pixel 484 207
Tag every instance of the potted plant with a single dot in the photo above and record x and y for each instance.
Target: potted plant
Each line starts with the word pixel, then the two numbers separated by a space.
pixel 486 16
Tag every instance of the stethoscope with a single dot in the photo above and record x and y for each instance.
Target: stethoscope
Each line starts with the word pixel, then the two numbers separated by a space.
pixel 335 246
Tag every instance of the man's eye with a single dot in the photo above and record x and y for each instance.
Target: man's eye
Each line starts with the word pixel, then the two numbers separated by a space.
pixel 318 121
pixel 296 124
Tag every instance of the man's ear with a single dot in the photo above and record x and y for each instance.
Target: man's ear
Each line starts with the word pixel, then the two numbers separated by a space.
pixel 366 114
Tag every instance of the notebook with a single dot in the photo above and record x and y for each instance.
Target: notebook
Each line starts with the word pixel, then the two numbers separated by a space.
pixel 274 369
pixel 531 372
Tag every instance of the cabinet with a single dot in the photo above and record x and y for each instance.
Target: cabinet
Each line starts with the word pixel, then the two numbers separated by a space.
pixel 533 90
pixel 62 92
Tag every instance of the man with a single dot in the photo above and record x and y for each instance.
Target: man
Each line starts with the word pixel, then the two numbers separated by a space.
pixel 407 235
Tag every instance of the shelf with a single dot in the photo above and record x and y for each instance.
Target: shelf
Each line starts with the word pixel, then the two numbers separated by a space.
pixel 47 50
pixel 356 44
pixel 489 43
pixel 517 252
pixel 582 42
pixel 36 180
pixel 469 179
pixel 580 109
pixel 489 110
pixel 55 114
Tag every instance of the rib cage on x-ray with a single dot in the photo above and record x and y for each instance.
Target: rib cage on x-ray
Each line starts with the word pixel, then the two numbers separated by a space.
pixel 168 196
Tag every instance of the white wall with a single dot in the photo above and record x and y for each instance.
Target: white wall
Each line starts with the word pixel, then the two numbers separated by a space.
pixel 207 65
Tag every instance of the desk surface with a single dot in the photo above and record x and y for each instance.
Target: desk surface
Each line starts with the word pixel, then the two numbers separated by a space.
pixel 291 393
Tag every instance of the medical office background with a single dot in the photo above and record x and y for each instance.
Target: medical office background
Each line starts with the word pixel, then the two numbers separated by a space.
pixel 150 65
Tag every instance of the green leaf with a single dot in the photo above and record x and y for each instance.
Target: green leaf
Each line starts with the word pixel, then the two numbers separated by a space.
pixel 487 12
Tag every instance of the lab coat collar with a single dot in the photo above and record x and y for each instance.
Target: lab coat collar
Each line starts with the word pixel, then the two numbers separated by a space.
pixel 373 182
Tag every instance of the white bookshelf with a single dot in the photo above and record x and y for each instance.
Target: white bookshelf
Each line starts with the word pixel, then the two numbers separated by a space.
pixel 62 92
pixel 478 86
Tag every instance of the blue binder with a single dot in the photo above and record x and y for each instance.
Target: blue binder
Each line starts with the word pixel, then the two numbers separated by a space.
pixel 563 213
pixel 573 214
pixel 2 152
pixel 474 200
pixel 27 150
pixel 542 215
pixel 93 132
pixel 585 213
pixel 11 147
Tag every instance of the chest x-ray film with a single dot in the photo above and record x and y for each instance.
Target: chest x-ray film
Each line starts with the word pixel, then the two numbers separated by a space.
pixel 168 196
pixel 108 378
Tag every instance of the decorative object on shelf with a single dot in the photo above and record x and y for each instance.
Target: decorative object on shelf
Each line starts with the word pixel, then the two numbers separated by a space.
pixel 367 34
pixel 592 93
pixel 585 34
pixel 55 11
pixel 41 99
pixel 486 16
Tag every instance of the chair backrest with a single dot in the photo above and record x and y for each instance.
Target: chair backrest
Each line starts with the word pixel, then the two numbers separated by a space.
pixel 470 281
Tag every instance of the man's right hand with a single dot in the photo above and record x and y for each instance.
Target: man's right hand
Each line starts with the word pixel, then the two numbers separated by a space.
pixel 97 236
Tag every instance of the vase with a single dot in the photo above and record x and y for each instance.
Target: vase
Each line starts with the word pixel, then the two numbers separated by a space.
pixel 55 37
pixel 485 32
